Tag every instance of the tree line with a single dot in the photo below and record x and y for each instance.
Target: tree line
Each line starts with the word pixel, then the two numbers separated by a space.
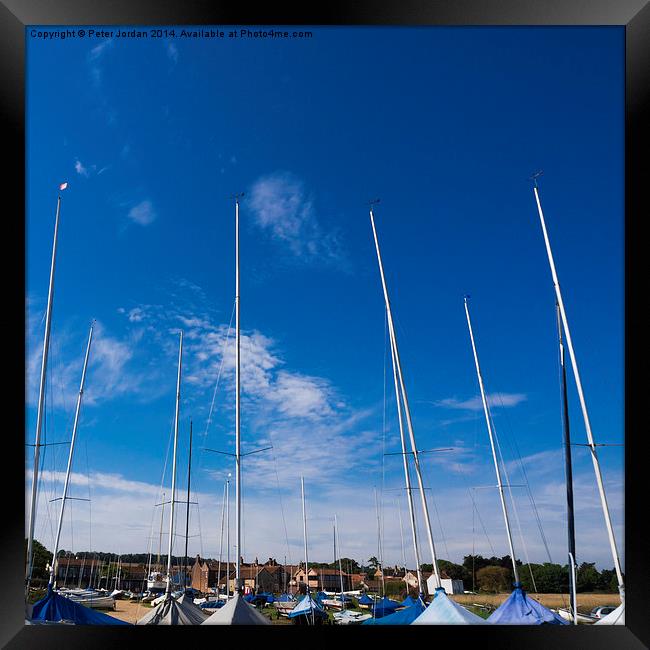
pixel 495 575
pixel 478 573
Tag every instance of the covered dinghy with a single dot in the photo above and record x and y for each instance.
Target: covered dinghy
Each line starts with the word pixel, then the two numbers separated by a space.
pixel 519 609
pixel 237 612
pixel 617 617
pixel 444 611
pixel 54 608
pixel 285 598
pixel 404 616
pixel 306 607
pixel 366 601
pixel 174 612
pixel 408 601
pixel 384 607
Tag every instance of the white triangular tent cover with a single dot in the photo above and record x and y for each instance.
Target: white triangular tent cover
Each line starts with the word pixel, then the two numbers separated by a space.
pixel 237 612
pixel 617 617
pixel 173 612
pixel 444 611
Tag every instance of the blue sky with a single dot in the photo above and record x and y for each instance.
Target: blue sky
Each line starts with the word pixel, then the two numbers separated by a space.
pixel 445 125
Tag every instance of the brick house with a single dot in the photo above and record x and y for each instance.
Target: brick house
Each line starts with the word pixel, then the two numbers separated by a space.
pixel 323 579
pixel 207 574
pixel 73 572
pixel 450 586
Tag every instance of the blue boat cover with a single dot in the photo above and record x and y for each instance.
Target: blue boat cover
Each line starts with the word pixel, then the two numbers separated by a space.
pixel 270 598
pixel 55 608
pixel 285 598
pixel 249 598
pixel 385 607
pixel 365 600
pixel 212 604
pixel 320 597
pixel 404 617
pixel 520 609
pixel 305 607
pixel 444 611
pixel 408 601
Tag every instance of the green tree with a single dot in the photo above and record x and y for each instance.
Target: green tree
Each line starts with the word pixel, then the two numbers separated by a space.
pixel 549 578
pixel 41 558
pixel 454 571
pixel 588 577
pixel 494 579
pixel 347 564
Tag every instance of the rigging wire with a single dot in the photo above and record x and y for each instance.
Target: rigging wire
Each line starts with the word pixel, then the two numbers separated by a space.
pixel 512 501
pixel 159 495
pixel 514 447
pixel 209 419
pixel 223 356
pixel 383 438
pixel 90 508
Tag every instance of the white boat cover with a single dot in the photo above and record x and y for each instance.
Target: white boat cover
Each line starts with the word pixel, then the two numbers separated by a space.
pixel 617 617
pixel 237 612
pixel 444 611
pixel 173 612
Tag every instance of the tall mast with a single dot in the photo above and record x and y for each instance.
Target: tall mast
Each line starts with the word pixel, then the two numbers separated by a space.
pixel 583 405
pixel 237 403
pixel 223 505
pixel 304 529
pixel 494 453
pixel 162 518
pixel 304 526
pixel 407 410
pixel 41 401
pixel 407 480
pixel 338 545
pixel 173 498
pixel 379 549
pixel 187 513
pixel 228 537
pixel 566 434
pixel 66 483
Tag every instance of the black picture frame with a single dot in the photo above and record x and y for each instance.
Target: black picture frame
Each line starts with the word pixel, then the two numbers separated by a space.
pixel 634 15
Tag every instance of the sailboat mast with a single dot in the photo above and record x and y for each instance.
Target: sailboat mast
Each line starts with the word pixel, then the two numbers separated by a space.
pixel 187 513
pixel 162 519
pixel 379 549
pixel 223 506
pixel 407 410
pixel 304 529
pixel 237 404
pixel 407 480
pixel 304 525
pixel 173 499
pixel 41 402
pixel 583 405
pixel 337 543
pixel 228 537
pixel 494 454
pixel 66 483
pixel 566 434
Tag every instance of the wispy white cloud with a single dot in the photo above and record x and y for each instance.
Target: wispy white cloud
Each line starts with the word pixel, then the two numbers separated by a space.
pixel 143 213
pixel 172 52
pixel 111 368
pixel 495 400
pixel 98 50
pixel 80 169
pixel 283 208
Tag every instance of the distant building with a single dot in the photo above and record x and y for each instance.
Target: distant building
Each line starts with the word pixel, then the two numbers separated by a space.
pixel 450 586
pixel 207 574
pixel 323 579
pixel 83 573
